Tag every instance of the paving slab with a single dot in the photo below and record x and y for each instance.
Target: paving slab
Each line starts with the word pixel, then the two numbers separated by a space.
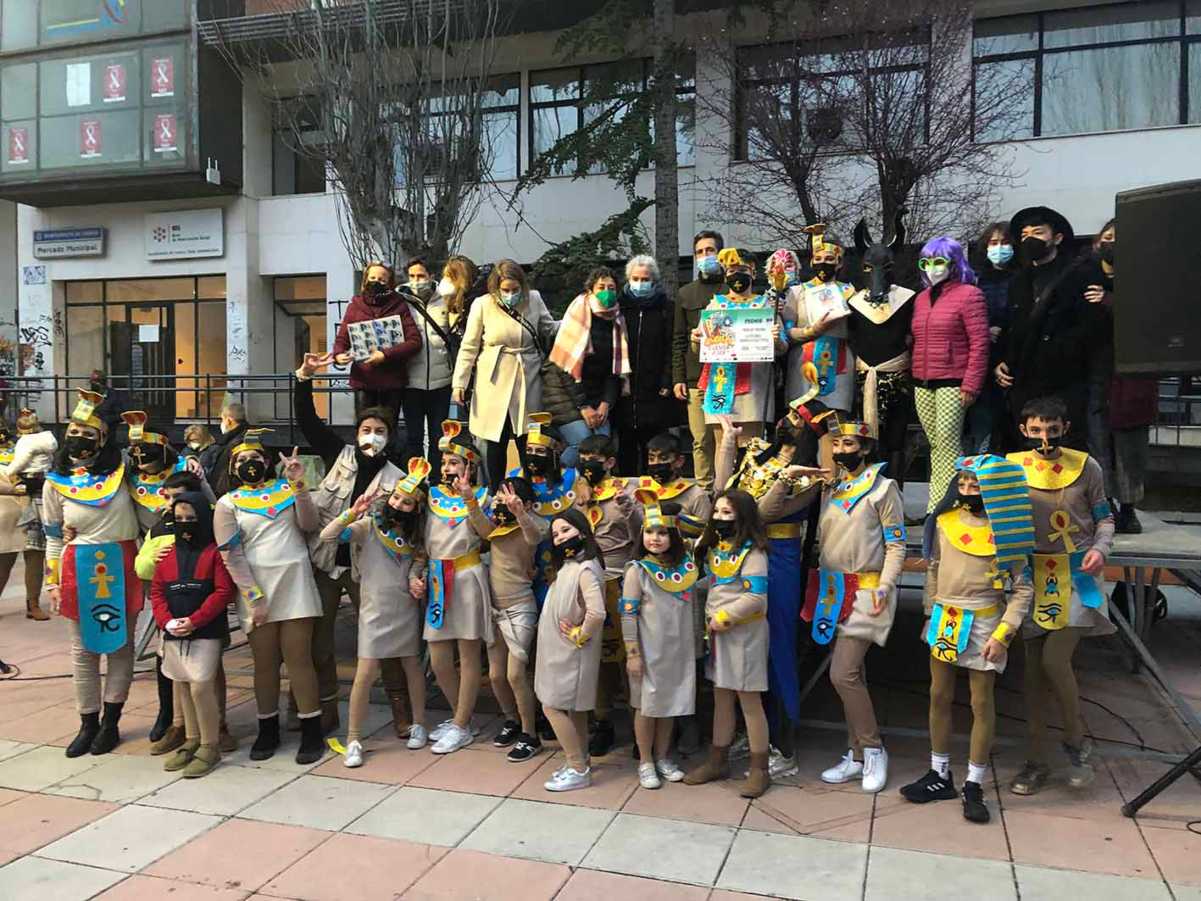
pixel 38 769
pixel 555 833
pixel 129 838
pixel 794 866
pixel 224 792
pixel 53 880
pixel 1046 884
pixel 118 779
pixel 921 876
pixel 661 849
pixel 147 888
pixel 358 866
pixel 425 816
pixel 319 802
pixel 486 877
pixel 37 820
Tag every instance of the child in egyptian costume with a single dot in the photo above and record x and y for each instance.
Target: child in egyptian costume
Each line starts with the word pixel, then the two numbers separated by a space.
pixel 513 533
pixel 458 613
pixel 91 575
pixel 657 598
pixel 740 390
pixel 23 465
pixel 852 598
pixel 260 527
pixel 732 550
pixel 977 543
pixel 815 323
pixel 665 462
pixel 384 535
pixel 554 487
pixel 783 489
pixel 1074 528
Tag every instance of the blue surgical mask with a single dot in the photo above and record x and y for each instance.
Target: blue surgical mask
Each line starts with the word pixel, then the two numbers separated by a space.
pixel 641 289
pixel 510 298
pixel 708 266
pixel 1000 254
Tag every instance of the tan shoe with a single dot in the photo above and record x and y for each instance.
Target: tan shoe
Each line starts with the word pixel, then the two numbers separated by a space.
pixel 182 757
pixel 203 762
pixel 226 743
pixel 34 611
pixel 715 767
pixel 758 779
pixel 172 739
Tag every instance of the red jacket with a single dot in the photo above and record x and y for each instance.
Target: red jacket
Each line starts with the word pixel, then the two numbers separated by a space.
pixel 209 566
pixel 950 336
pixel 392 373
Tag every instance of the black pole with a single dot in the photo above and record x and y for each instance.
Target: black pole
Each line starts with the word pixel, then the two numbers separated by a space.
pixel 1149 793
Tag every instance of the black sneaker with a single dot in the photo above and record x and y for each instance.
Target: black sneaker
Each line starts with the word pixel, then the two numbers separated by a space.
pixel 542 724
pixel 974 810
pixel 526 747
pixel 931 787
pixel 507 735
pixel 603 736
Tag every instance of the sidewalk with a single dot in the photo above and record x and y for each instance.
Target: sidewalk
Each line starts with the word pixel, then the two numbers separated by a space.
pixel 471 825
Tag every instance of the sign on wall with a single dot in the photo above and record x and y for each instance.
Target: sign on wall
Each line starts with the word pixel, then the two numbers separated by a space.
pixel 59 243
pixel 185 234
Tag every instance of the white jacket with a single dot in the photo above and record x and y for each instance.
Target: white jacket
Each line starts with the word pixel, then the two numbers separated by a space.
pixel 32 454
pixel 430 367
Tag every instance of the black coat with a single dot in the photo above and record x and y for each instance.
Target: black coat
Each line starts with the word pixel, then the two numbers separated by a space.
pixel 215 458
pixel 649 328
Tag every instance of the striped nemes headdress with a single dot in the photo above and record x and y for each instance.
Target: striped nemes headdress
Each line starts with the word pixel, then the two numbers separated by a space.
pixel 419 470
pixel 252 440
pixel 653 516
pixel 1006 503
pixel 453 441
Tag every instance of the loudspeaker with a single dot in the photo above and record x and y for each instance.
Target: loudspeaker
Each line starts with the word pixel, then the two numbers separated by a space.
pixel 1157 284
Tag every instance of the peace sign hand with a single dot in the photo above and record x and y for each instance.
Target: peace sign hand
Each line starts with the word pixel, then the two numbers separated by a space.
pixel 463 486
pixel 363 504
pixel 314 363
pixel 292 468
pixel 508 497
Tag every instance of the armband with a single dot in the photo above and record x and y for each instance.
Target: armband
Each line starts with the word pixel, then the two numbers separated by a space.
pixel 345 535
pixel 1102 510
pixel 754 584
pixel 252 595
pixel 53 529
pixel 298 485
pixel 895 533
pixel 51 571
pixel 630 606
pixel 577 637
pixel 1003 633
pixel 346 517
pixel 723 616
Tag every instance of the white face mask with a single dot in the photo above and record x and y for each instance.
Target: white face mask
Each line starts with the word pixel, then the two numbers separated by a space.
pixel 194 445
pixel 937 274
pixel 372 444
pixel 446 287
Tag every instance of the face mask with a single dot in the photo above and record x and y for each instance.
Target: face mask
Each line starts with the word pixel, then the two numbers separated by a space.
pixel 398 517
pixel 1105 251
pixel 539 465
pixel 1034 249
pixel 594 471
pixel 571 547
pixel 503 516
pixel 825 271
pixel 606 298
pixel 663 473
pixel 641 289
pixel 973 502
pixel 510 298
pixel 184 531
pixel 1000 254
pixel 423 289
pixel 1036 444
pixel 376 289
pixel 81 447
pixel 709 269
pixel 372 444
pixel 739 282
pixel 937 274
pixel 194 445
pixel 251 472
pixel 849 461
pixel 446 287
pixel 723 528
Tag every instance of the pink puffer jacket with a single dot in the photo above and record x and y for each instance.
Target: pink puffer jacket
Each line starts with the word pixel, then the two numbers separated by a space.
pixel 950 336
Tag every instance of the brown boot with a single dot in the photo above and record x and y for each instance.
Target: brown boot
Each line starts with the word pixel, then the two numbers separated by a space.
pixel 226 743
pixel 757 777
pixel 33 610
pixel 329 717
pixel 716 767
pixel 401 721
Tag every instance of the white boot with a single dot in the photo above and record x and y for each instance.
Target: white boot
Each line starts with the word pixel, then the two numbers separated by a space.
pixel 848 768
pixel 875 769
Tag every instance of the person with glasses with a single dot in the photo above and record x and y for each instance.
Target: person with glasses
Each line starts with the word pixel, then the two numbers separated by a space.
pixel 950 354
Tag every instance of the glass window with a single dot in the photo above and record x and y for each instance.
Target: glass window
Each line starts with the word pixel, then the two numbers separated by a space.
pixel 18 91
pixel 187 403
pixel 139 289
pixel 1013 34
pixel 85 341
pixel 1194 83
pixel 18 25
pixel 300 287
pixel 1110 89
pixel 210 287
pixel 210 359
pixel 294 171
pixel 1192 22
pixel 1011 82
pixel 1107 24
pixel 85 292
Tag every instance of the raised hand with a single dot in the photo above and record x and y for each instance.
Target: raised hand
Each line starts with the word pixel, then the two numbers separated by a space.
pixel 291 467
pixel 463 486
pixel 314 363
pixel 360 507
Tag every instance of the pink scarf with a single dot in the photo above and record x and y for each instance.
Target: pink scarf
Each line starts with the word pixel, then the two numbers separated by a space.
pixel 574 341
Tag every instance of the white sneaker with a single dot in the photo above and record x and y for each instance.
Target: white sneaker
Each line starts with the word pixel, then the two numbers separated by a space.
pixel 439 730
pixel 669 770
pixel 354 755
pixel 875 769
pixel 779 766
pixel 417 737
pixel 648 776
pixel 568 779
pixel 454 739
pixel 849 768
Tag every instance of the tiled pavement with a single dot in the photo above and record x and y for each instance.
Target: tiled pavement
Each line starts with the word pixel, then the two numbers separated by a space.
pixel 471 825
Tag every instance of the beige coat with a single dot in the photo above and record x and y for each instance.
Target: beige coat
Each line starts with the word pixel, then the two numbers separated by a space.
pixel 507 363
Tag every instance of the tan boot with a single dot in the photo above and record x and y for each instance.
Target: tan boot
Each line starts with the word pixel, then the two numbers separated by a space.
pixel 758 779
pixel 182 757
pixel 203 762
pixel 716 767
pixel 173 738
pixel 34 611
pixel 330 721
pixel 400 715
pixel 226 743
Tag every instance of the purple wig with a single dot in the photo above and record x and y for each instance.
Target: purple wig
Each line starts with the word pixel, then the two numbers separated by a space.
pixel 950 249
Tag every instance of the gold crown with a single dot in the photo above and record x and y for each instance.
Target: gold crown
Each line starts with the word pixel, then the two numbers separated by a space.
pixel 653 516
pixel 419 469
pixel 817 239
pixel 848 428
pixel 252 440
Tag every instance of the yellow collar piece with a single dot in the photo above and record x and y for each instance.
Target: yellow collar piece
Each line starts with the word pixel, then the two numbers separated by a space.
pixel 148 489
pixel 676 580
pixel 502 531
pixel 269 499
pixel 393 544
pixel 725 561
pixel 975 540
pixel 6 455
pixel 674 489
pixel 451 508
pixel 609 489
pixel 850 491
pixel 85 488
pixel 1050 475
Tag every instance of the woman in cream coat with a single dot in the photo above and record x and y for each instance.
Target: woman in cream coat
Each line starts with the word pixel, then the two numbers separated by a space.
pixel 508 331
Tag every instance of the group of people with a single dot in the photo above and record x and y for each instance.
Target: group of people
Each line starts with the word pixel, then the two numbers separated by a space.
pixel 596 562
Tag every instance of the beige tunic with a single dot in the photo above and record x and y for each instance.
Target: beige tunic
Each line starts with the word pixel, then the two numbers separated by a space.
pixel 853 542
pixel 664 633
pixel 116 521
pixel 565 676
pixel 804 307
pixel 389 617
pixel 272 555
pixel 511 578
pixel 619 531
pixel 507 363
pixel 468 608
pixel 958 579
pixel 738 656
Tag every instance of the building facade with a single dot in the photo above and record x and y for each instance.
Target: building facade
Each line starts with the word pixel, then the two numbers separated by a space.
pixel 158 228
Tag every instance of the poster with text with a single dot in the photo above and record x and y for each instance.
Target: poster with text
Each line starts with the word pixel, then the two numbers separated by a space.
pixel 162 77
pixel 164 133
pixel 91 139
pixel 737 336
pixel 114 83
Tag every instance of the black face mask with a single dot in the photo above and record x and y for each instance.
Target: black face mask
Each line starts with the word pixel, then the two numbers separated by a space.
pixel 81 447
pixel 825 271
pixel 503 516
pixel 251 472
pixel 594 471
pixel 539 465
pixel 1036 444
pixel 739 282
pixel 571 547
pixel 184 532
pixel 1105 252
pixel 724 528
pixel 973 502
pixel 849 461
pixel 376 290
pixel 1034 249
pixel 394 516
pixel 663 473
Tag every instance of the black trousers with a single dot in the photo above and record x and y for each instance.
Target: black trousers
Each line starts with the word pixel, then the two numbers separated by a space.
pixel 497 452
pixel 424 412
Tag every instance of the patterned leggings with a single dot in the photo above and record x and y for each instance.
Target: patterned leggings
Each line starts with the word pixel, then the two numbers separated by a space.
pixel 941 413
